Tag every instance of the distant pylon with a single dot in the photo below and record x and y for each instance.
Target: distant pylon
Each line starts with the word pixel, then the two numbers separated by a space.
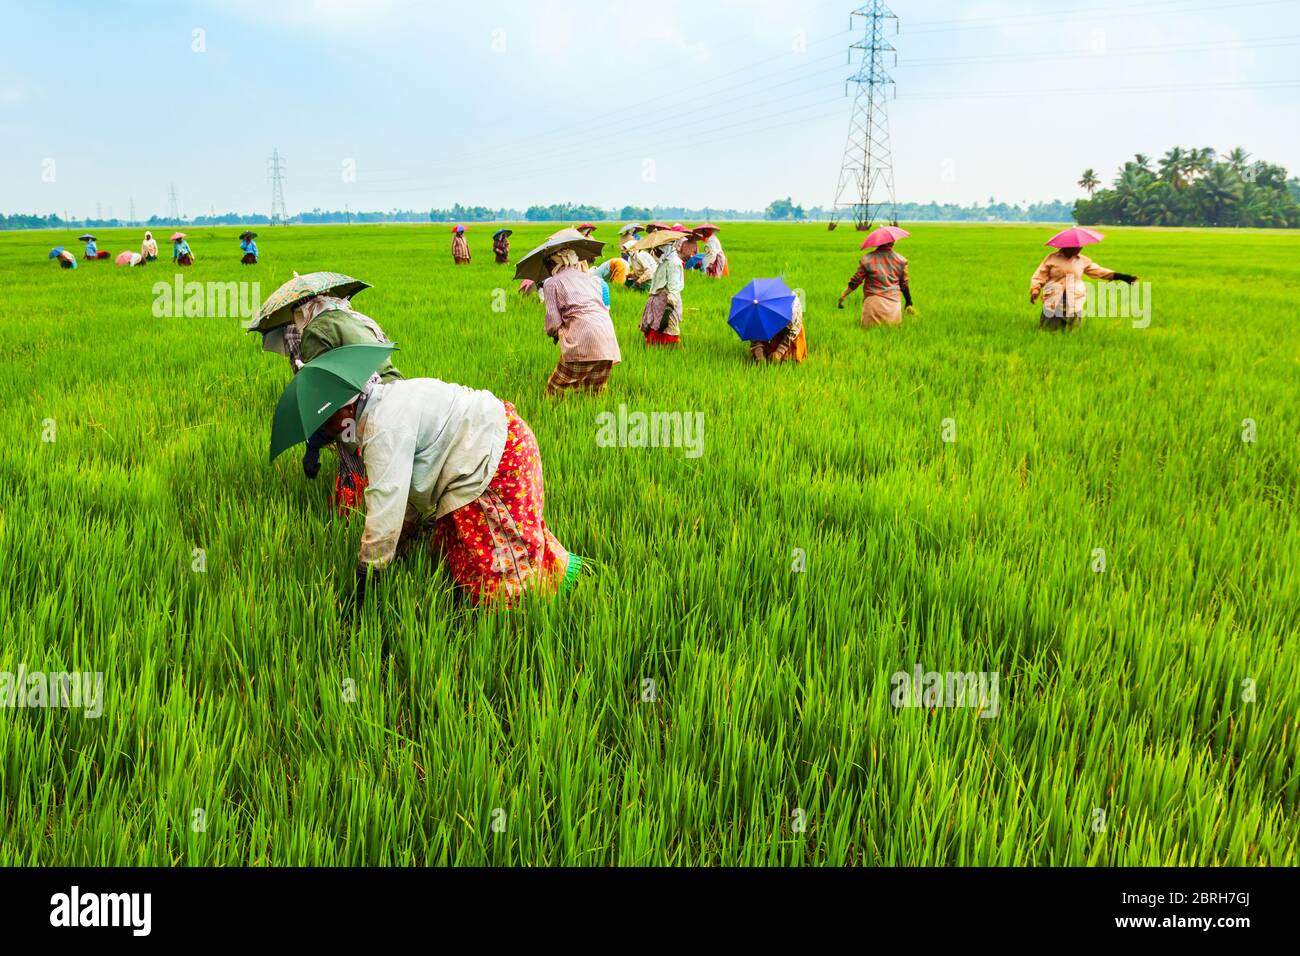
pixel 131 205
pixel 866 184
pixel 277 187
pixel 174 208
pixel 99 209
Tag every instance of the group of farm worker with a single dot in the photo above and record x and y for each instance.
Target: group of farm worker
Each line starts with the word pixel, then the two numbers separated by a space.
pixel 652 259
pixel 433 464
pixel 454 469
pixel 182 255
pixel 883 276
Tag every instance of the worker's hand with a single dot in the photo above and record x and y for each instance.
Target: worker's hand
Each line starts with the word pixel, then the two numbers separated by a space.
pixel 1033 297
pixel 311 461
pixel 911 310
pixel 840 303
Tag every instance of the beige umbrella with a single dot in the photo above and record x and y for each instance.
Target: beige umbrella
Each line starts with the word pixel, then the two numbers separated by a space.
pixel 663 237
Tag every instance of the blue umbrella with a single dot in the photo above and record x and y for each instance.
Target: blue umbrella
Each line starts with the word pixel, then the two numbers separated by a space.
pixel 54 253
pixel 761 309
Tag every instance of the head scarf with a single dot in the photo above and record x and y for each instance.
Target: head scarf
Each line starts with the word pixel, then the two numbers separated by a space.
pixel 305 312
pixel 148 234
pixel 565 259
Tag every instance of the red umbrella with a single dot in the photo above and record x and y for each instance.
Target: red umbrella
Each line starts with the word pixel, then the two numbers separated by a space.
pixel 586 226
pixel 127 258
pixel 705 228
pixel 678 227
pixel 457 228
pixel 1075 237
pixel 883 236
pixel 177 235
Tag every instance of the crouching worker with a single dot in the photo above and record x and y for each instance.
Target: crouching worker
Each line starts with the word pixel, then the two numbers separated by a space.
pixel 788 345
pixel 449 467
pixel 305 318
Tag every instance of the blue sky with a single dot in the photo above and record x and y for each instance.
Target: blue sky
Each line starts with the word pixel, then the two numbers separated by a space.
pixel 724 103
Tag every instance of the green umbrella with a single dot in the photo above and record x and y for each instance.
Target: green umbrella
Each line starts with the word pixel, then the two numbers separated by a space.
pixel 533 266
pixel 277 310
pixel 321 388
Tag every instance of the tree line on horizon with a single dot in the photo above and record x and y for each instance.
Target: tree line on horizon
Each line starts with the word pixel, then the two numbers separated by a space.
pixel 1193 187
pixel 780 210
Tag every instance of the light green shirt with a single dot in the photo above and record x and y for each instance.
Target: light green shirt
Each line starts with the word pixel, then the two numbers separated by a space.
pixel 336 327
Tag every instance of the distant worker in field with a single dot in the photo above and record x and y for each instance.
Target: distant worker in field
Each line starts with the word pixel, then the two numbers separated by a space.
pixel 577 312
pixel 586 229
pixel 66 259
pixel 710 260
pixel 501 246
pixel 181 254
pixel 302 320
pixel 92 251
pixel 641 265
pixel 149 248
pixel 882 273
pixel 661 320
pixel 631 231
pixel 452 469
pixel 1059 278
pixel 577 319
pixel 459 246
pixel 613 271
pixel 248 247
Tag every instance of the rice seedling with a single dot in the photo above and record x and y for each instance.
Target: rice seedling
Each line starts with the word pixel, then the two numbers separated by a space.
pixel 1111 532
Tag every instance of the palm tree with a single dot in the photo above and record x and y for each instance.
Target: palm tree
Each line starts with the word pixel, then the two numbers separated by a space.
pixel 1255 207
pixel 1173 167
pixel 1200 162
pixel 1129 187
pixel 1143 162
pixel 1090 182
pixel 1165 204
pixel 1238 160
pixel 1219 192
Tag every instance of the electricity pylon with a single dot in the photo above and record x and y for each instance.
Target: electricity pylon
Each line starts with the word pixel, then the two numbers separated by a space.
pixel 866 184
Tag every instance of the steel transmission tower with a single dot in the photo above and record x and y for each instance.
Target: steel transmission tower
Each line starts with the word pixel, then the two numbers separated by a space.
pixel 174 208
pixel 866 186
pixel 277 187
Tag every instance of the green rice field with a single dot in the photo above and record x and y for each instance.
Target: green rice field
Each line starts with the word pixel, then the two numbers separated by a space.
pixel 1106 521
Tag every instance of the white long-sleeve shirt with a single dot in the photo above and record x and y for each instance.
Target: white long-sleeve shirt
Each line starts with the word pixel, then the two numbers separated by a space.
pixel 430 447
pixel 712 248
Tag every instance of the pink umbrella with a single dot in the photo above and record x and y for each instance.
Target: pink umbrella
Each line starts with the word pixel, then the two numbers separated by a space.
pixel 127 258
pixel 883 236
pixel 1075 238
